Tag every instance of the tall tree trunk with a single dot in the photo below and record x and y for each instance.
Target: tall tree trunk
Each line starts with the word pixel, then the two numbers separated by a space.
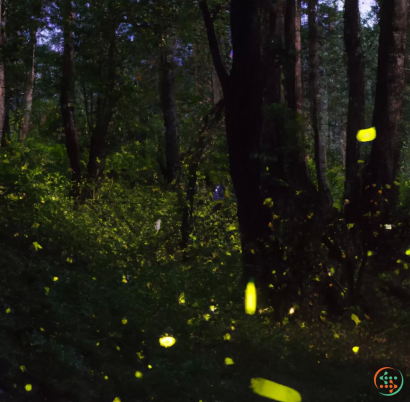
pixel 315 116
pixel 243 121
pixel 384 157
pixel 290 46
pixel 2 82
pixel 24 129
pixel 356 106
pixel 298 66
pixel 216 88
pixel 5 140
pixel 167 97
pixel 106 103
pixel 67 98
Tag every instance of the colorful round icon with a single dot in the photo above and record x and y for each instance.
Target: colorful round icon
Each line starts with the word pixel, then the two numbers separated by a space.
pixel 388 381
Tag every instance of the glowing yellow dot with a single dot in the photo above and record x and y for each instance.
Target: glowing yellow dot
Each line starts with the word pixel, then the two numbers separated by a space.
pixel 23 368
pixel 228 361
pixel 292 310
pixel 408 252
pixel 167 341
pixel 118 348
pixel 138 374
pixel 117 399
pixel 28 387
pixel 124 321
pixel 250 298
pixel 47 289
pixel 368 134
pixel 149 366
pixel 106 377
pixel 98 343
pixel 8 311
pixel 227 337
pixel 355 349
pixel 55 279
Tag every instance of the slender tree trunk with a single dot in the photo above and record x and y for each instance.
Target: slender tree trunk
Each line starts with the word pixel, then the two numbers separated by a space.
pixel 356 106
pixel 24 129
pixel 384 157
pixel 2 82
pixel 88 112
pixel 315 114
pixel 106 103
pixel 216 88
pixel 290 46
pixel 5 140
pixel 67 98
pixel 298 66
pixel 167 97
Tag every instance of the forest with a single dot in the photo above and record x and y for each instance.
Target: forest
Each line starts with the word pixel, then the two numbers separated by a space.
pixel 204 201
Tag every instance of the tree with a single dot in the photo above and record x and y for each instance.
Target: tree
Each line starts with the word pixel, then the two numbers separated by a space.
pixel 243 94
pixel 382 168
pixel 67 96
pixel 2 82
pixel 356 106
pixel 167 97
pixel 315 114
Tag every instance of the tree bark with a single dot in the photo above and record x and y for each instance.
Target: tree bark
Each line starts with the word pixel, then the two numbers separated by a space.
pixel 2 82
pixel 106 103
pixel 167 97
pixel 315 116
pixel 243 121
pixel 290 46
pixel 24 129
pixel 67 98
pixel 298 66
pixel 384 157
pixel 356 106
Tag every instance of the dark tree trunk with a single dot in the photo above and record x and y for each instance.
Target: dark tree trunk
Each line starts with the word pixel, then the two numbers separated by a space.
pixel 384 157
pixel 5 140
pixel 67 98
pixel 2 82
pixel 356 107
pixel 243 119
pixel 106 103
pixel 298 66
pixel 24 129
pixel 167 97
pixel 290 46
pixel 315 113
pixel 274 54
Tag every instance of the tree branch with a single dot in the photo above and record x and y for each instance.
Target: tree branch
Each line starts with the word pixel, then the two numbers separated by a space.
pixel 213 44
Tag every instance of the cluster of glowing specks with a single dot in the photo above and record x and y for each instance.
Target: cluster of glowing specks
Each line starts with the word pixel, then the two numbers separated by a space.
pixel 369 134
pixel 181 298
pixel 28 387
pixel 275 391
pixel 228 361
pixel 355 349
pixel 138 374
pixel 250 298
pixel 167 341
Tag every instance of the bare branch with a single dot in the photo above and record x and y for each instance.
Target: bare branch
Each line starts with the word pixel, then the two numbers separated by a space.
pixel 213 44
